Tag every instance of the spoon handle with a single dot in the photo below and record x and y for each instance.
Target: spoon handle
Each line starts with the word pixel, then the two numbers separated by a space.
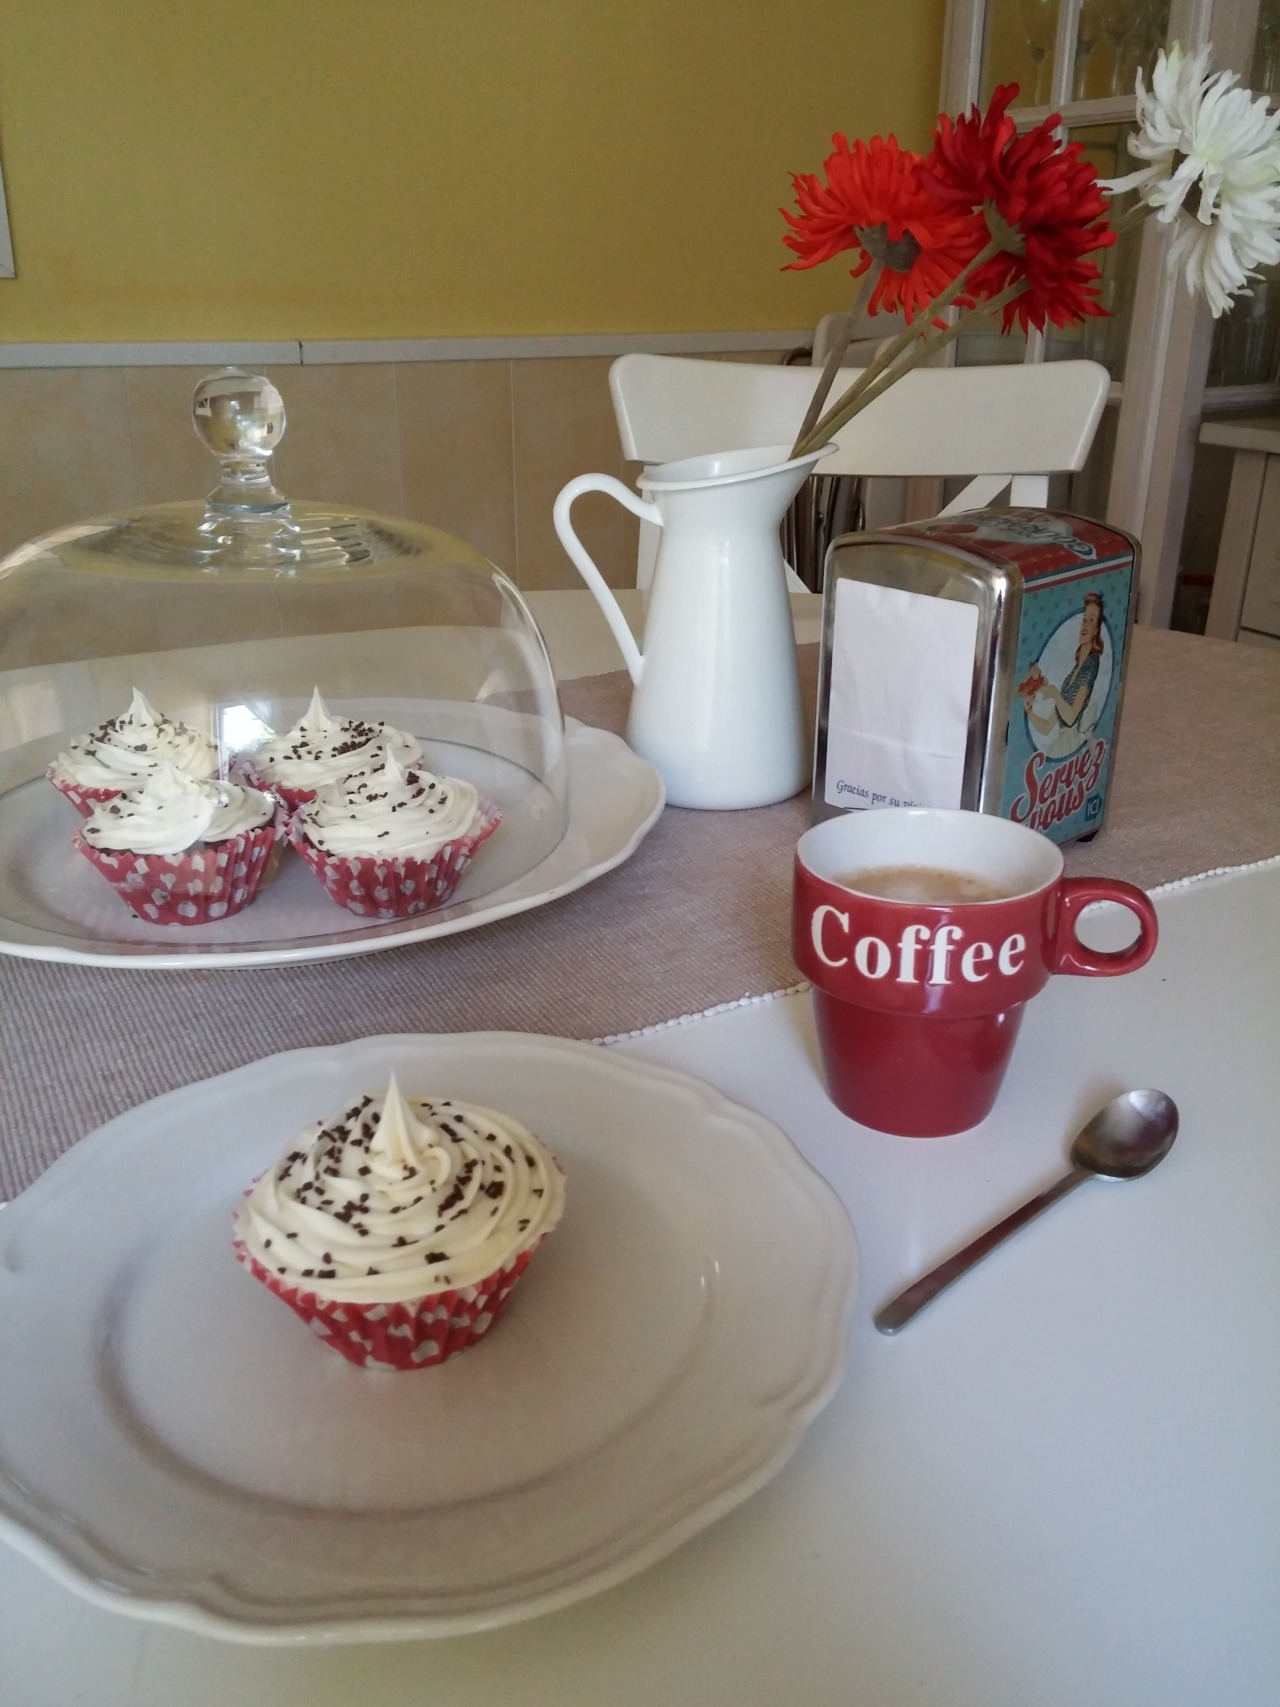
pixel 899 1311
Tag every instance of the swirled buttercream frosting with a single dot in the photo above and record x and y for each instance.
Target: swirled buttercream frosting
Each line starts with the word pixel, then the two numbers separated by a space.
pixel 321 749
pixel 129 748
pixel 173 812
pixel 394 811
pixel 399 1198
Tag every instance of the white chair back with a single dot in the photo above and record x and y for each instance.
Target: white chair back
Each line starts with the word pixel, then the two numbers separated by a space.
pixel 1010 425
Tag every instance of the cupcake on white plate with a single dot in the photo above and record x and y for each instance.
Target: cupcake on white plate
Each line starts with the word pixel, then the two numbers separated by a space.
pixel 397 1230
pixel 393 842
pixel 182 850
pixel 321 749
pixel 125 751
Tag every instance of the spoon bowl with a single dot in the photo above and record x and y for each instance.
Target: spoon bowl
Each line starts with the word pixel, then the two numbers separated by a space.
pixel 1127 1137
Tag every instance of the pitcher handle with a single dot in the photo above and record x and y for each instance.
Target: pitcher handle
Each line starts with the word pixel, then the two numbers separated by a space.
pixel 587 569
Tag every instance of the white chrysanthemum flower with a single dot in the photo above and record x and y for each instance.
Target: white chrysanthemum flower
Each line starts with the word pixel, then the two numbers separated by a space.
pixel 1213 169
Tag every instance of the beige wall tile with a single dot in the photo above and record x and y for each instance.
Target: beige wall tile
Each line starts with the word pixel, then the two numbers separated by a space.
pixel 320 606
pixel 171 461
pixel 479 449
pixel 68 620
pixel 341 443
pixel 64 449
pixel 564 425
pixel 198 612
pixel 455 452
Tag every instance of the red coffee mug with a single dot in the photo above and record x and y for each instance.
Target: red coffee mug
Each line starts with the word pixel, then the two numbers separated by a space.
pixel 918 1003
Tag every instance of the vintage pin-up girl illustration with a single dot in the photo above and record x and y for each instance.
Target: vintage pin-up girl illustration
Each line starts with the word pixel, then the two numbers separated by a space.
pixel 1060 717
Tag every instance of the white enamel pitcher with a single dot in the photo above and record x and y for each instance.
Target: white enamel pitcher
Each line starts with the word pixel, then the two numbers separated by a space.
pixel 716 708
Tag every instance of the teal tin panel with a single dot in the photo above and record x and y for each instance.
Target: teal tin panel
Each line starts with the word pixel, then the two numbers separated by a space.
pixel 1078 581
pixel 1062 723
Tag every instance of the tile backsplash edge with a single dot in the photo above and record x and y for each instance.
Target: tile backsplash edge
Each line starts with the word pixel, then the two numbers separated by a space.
pixel 323 352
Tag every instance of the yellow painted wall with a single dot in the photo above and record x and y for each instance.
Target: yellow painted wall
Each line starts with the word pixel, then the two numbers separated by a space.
pixel 182 169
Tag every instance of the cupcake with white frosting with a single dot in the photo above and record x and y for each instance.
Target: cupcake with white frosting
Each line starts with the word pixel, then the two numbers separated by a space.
pixel 397 1230
pixel 182 850
pixel 322 749
pixel 125 751
pixel 394 841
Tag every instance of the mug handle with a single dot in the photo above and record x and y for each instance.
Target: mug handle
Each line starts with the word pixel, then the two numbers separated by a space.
pixel 583 563
pixel 1068 954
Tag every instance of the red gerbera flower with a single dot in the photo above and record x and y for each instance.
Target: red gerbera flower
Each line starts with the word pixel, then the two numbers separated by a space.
pixel 875 200
pixel 1037 193
pixel 966 151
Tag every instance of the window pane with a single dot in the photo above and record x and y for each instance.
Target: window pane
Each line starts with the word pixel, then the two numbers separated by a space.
pixel 1264 75
pixel 1246 340
pixel 1123 36
pixel 1085 492
pixel 984 344
pixel 1095 61
pixel 1113 38
pixel 1106 339
pixel 1018 48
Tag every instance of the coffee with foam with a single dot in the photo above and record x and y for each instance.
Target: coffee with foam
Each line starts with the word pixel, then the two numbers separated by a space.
pixel 925 885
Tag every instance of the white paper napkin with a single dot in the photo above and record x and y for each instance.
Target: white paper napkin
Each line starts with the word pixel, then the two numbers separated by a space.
pixel 898 712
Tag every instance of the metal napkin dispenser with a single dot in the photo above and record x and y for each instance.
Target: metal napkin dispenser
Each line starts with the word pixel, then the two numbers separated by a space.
pixel 976 661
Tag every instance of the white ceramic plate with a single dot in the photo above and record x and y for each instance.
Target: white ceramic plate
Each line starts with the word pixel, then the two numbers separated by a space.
pixel 175 1444
pixel 55 906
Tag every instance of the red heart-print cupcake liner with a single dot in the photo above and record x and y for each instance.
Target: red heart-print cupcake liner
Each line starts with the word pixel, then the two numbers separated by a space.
pixel 84 799
pixel 413 1335
pixel 396 888
pixel 196 887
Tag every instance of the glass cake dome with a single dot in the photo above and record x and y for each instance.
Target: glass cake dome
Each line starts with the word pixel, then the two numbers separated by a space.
pixel 228 615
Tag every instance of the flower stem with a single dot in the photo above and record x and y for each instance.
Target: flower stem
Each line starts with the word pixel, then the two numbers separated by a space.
pixel 860 395
pixel 834 359
pixel 839 413
pixel 1130 217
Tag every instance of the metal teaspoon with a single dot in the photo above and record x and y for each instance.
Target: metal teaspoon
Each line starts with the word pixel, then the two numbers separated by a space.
pixel 1124 1140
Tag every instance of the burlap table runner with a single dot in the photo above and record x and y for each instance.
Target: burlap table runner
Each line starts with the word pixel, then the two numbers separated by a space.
pixel 697 917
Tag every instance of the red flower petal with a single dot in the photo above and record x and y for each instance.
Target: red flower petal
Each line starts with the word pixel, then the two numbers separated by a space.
pixel 1045 191
pixel 873 199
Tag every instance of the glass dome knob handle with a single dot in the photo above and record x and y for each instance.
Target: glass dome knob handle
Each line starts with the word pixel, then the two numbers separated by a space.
pixel 240 417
